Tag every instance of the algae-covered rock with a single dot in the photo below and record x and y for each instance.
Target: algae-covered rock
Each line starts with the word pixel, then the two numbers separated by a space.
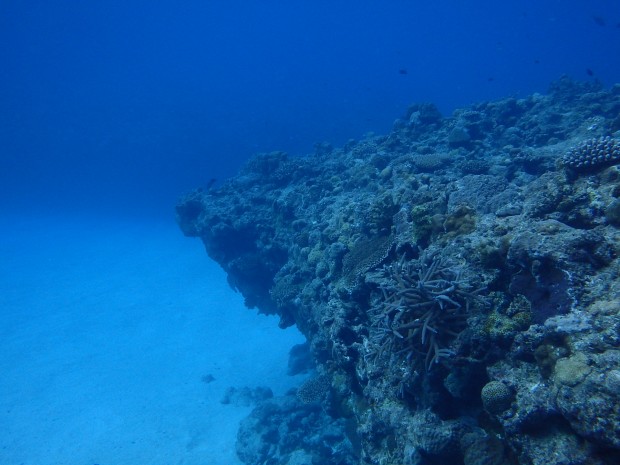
pixel 572 370
pixel 480 448
pixel 588 397
pixel 283 430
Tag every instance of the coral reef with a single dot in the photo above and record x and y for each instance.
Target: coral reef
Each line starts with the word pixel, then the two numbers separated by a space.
pixel 457 280
pixel 285 431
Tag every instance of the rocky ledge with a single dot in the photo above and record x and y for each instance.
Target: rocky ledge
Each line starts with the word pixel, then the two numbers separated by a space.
pixel 457 280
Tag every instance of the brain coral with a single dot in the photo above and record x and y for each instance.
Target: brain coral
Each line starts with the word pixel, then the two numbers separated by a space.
pixel 593 153
pixel 496 397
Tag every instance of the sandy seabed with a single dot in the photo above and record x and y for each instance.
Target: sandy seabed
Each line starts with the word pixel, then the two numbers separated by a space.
pixel 107 329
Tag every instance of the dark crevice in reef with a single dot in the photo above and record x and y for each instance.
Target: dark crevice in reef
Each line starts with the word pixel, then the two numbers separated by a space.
pixel 457 280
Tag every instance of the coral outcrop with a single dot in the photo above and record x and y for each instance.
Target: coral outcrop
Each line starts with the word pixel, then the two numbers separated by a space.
pixel 457 279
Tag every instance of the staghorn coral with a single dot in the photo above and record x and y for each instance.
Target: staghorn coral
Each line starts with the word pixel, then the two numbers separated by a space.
pixel 424 307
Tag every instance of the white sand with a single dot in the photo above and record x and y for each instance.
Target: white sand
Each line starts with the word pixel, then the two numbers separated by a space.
pixel 106 329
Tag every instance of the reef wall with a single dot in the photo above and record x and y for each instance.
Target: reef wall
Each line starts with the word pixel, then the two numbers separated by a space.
pixel 457 280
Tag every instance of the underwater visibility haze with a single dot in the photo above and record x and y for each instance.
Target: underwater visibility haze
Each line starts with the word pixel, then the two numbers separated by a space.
pixel 105 104
pixel 420 201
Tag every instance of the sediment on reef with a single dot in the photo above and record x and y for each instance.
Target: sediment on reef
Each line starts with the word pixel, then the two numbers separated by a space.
pixel 457 280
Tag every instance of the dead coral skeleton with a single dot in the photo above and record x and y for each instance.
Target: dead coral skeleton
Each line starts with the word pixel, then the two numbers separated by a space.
pixel 424 307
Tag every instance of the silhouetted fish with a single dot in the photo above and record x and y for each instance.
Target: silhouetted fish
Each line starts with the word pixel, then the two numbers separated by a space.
pixel 589 72
pixel 402 71
pixel 208 378
pixel 599 20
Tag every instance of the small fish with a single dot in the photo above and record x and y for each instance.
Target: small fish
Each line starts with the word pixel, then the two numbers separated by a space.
pixel 599 20
pixel 589 72
pixel 208 378
pixel 402 71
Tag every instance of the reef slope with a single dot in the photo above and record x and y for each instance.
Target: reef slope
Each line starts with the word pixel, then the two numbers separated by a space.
pixel 457 280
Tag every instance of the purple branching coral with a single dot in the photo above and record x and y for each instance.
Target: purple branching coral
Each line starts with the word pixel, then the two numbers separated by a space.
pixel 424 307
pixel 593 154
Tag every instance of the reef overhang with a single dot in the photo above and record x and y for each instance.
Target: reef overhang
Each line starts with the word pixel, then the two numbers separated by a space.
pixel 457 279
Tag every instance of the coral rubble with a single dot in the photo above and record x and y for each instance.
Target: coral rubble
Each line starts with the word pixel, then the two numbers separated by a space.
pixel 457 279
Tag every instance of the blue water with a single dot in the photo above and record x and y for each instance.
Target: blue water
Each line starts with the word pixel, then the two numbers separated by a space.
pixel 123 105
pixel 111 110
pixel 107 329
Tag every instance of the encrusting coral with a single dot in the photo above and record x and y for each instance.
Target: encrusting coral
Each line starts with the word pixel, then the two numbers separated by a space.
pixel 314 389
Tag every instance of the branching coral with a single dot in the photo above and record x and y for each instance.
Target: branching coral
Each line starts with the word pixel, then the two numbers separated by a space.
pixel 593 154
pixel 424 307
